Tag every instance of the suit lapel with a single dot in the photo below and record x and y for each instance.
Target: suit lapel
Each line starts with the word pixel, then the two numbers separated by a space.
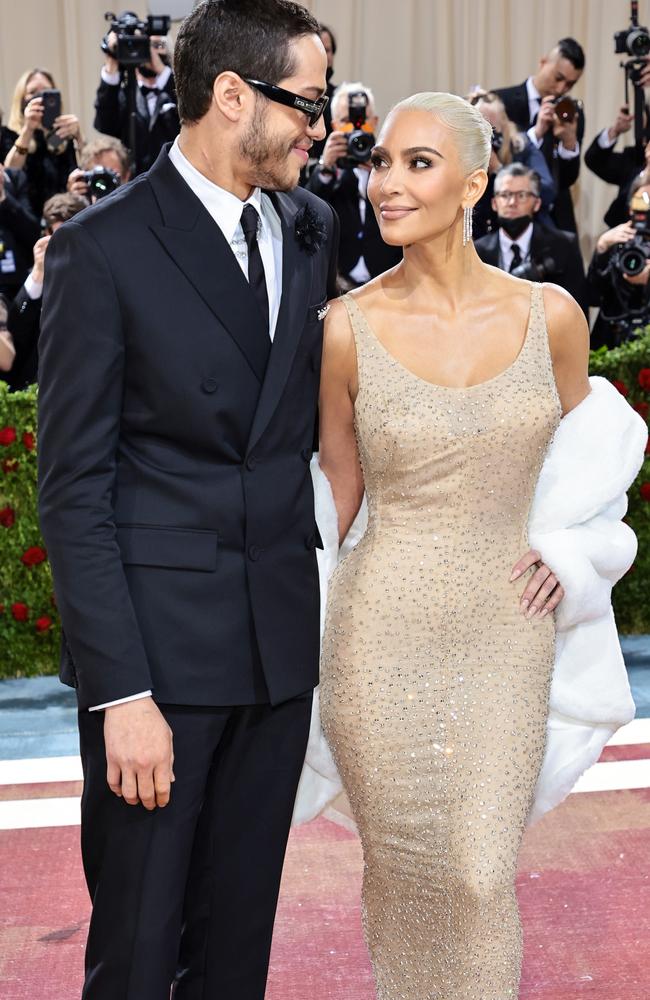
pixel 296 284
pixel 198 247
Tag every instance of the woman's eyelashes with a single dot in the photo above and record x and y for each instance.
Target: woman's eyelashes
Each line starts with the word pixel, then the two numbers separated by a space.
pixel 416 162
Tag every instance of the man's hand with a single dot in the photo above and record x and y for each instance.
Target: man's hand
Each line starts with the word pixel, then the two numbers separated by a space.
pixel 139 753
pixel 566 132
pixel 545 117
pixel 76 183
pixel 623 121
pixel 38 270
pixel 543 593
pixel 335 147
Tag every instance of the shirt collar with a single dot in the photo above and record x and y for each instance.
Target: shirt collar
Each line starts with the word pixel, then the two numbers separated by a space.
pixel 532 91
pixel 224 206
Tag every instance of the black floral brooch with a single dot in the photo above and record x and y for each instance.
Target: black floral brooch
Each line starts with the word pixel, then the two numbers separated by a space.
pixel 311 231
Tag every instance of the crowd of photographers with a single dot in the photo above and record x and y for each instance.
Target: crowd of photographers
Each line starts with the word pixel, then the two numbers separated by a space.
pixel 524 223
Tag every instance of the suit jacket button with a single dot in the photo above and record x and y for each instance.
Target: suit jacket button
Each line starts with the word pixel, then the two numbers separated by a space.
pixel 251 462
pixel 306 454
pixel 209 385
pixel 254 552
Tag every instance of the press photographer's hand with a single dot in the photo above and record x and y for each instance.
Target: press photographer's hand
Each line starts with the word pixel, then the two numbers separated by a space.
pixel 546 117
pixel 619 234
pixel 335 148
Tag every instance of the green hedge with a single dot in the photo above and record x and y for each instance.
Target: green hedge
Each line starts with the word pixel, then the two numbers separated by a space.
pixel 29 623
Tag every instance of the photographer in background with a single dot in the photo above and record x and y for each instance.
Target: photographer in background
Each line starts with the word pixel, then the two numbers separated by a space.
pixel 44 139
pixel 341 179
pixel 555 128
pixel 19 228
pixel 24 319
pixel 525 247
pixel 155 101
pixel 619 167
pixel 105 165
pixel 619 272
pixel 329 41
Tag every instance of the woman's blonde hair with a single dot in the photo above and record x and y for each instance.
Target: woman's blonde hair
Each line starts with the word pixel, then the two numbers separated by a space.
pixel 17 114
pixel 473 134
pixel 513 140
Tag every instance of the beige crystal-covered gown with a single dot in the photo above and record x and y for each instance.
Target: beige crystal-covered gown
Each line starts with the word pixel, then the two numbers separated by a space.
pixel 434 687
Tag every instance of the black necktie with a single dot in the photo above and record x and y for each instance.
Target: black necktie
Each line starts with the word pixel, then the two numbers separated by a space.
pixel 516 257
pixel 256 276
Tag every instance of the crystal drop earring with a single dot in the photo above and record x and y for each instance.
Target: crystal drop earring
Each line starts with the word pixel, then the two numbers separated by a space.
pixel 467 225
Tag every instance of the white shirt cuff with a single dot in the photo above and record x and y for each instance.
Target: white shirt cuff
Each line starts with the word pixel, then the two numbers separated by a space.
pixel 121 701
pixel 532 135
pixel 33 288
pixel 163 77
pixel 604 140
pixel 112 79
pixel 568 154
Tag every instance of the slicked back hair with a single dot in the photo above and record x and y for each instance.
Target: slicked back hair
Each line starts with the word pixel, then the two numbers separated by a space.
pixel 249 37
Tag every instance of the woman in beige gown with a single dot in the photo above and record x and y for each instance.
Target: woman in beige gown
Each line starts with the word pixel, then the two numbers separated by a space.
pixel 443 383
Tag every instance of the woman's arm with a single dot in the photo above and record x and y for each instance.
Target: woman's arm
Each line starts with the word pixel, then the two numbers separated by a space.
pixel 568 336
pixel 7 351
pixel 339 457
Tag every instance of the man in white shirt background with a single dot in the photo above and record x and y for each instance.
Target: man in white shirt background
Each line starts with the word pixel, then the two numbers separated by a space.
pixel 532 107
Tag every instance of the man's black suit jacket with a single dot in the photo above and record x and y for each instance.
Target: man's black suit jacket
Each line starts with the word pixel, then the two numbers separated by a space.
pixel 564 172
pixel 175 492
pixel 24 323
pixel 152 132
pixel 19 229
pixel 569 271
pixel 357 240
pixel 615 168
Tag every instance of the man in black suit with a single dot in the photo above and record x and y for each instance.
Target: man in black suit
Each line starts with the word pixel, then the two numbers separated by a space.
pixel 620 167
pixel 532 107
pixel 19 229
pixel 524 246
pixel 180 359
pixel 157 119
pixel 362 252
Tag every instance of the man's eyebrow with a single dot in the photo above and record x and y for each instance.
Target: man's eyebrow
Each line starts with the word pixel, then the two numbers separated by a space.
pixel 318 91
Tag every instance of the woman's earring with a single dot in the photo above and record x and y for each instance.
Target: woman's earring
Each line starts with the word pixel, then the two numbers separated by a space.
pixel 467 225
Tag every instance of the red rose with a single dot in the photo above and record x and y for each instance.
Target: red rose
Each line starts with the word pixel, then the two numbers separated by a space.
pixel 642 409
pixel 42 624
pixel 28 440
pixel 33 556
pixel 7 435
pixel 10 465
pixel 7 517
pixel 20 611
pixel 644 379
pixel 645 491
pixel 621 386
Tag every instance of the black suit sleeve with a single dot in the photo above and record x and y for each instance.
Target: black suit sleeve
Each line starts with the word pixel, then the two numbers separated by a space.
pixel 80 402
pixel 108 110
pixel 332 271
pixel 574 276
pixel 610 166
pixel 16 212
pixel 23 321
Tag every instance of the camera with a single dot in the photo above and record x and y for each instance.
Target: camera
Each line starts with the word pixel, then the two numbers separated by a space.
pixel 630 258
pixel 133 36
pixel 360 139
pixel 635 40
pixel 497 140
pixel 101 181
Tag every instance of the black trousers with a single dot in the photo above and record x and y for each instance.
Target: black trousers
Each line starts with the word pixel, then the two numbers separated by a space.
pixel 186 895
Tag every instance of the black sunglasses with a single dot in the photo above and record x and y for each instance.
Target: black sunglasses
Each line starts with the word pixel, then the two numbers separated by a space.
pixel 313 109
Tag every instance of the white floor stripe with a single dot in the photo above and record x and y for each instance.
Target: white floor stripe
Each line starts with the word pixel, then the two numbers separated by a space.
pixel 637 731
pixel 39 770
pixel 28 814
pixel 615 776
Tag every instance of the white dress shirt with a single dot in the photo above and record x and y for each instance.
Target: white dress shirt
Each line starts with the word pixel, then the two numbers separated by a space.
pixel 226 209
pixel 534 104
pixel 506 244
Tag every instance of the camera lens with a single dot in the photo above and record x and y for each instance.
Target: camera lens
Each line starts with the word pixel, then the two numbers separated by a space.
pixel 359 146
pixel 638 42
pixel 632 261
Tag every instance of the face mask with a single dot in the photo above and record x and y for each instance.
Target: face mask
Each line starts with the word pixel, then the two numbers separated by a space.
pixel 514 227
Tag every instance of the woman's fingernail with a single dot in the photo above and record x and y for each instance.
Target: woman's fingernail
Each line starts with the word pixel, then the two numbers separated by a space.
pixel 513 575
pixel 524 604
pixel 543 612
pixel 532 611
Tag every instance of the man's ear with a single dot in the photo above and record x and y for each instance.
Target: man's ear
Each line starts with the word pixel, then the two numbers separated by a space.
pixel 231 95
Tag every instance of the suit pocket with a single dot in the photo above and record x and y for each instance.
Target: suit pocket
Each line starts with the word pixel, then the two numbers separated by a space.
pixel 168 548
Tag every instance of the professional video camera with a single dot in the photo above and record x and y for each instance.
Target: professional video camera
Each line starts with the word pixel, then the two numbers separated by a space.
pixel 360 135
pixel 630 258
pixel 133 36
pixel 635 40
pixel 101 181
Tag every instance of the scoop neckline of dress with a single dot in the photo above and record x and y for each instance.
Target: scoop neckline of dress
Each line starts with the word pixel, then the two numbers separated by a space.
pixel 438 385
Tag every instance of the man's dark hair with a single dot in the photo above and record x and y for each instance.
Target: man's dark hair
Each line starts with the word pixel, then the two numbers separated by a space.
pixel 323 27
pixel 248 37
pixel 62 207
pixel 573 51
pixel 517 169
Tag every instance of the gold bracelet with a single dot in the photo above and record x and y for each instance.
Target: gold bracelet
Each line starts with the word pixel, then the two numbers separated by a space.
pixel 23 150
